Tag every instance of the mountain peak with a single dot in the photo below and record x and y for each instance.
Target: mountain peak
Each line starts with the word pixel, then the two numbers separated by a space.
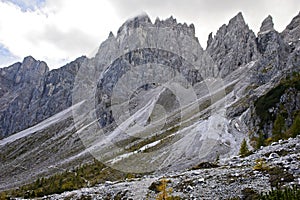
pixel 294 23
pixel 111 34
pixel 292 32
pixel 135 22
pixel 231 40
pixel 238 19
pixel 144 22
pixel 210 39
pixel 267 24
pixel 31 63
pixel 28 59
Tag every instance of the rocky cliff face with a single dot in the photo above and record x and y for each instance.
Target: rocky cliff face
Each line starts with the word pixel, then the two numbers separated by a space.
pixel 233 46
pixel 30 93
pixel 291 33
pixel 280 61
pixel 281 101
pixel 291 37
pixel 273 49
pixel 21 83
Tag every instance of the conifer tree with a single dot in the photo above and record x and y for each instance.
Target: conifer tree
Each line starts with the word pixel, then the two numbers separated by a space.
pixel 295 128
pixel 279 127
pixel 244 151
pixel 260 140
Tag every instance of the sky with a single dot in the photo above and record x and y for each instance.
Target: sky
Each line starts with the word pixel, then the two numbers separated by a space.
pixel 59 31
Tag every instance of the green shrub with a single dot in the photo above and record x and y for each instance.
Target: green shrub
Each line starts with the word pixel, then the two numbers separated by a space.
pixel 285 194
pixel 261 165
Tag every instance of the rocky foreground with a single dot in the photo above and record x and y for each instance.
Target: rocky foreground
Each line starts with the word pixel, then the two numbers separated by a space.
pixel 271 166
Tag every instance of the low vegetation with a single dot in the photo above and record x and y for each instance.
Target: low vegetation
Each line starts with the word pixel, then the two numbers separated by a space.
pixel 287 193
pixel 261 165
pixel 265 109
pixel 278 176
pixel 162 190
pixel 84 176
pixel 268 101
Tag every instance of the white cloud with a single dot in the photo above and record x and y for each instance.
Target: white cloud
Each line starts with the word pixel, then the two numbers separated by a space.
pixel 58 31
pixel 208 16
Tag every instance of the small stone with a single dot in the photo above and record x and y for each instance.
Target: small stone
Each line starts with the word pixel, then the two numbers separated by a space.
pixel 273 155
pixel 256 172
pixel 274 143
pixel 235 174
pixel 235 158
pixel 196 173
pixel 286 166
pixel 189 188
pixel 201 180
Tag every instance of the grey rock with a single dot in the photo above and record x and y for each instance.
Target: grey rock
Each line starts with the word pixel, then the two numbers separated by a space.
pixel 292 32
pixel 210 39
pixel 267 25
pixel 32 93
pixel 189 188
pixel 201 180
pixel 273 155
pixel 273 49
pixel 21 81
pixel 233 46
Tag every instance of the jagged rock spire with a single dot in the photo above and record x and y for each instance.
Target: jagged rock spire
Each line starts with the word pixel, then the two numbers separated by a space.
pixel 210 39
pixel 111 34
pixel 237 21
pixel 233 45
pixel 267 24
